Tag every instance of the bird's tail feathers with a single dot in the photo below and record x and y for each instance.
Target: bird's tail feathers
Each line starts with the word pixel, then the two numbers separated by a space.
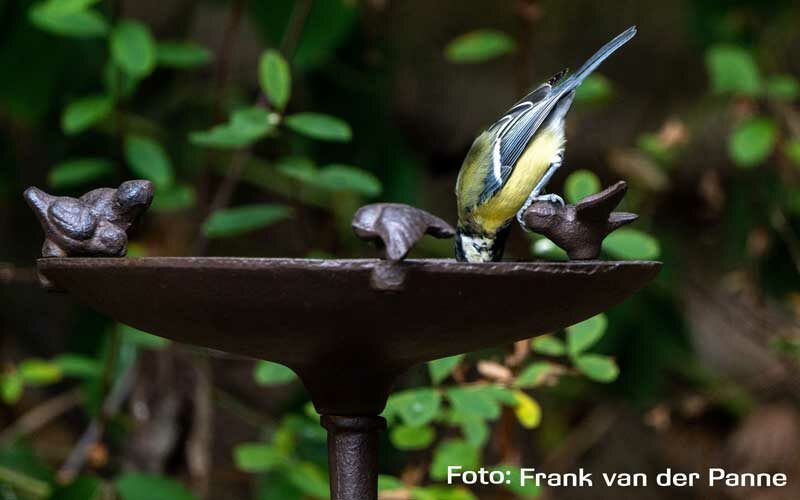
pixel 601 55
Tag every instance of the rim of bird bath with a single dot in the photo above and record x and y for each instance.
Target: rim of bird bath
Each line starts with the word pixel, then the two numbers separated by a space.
pixel 347 327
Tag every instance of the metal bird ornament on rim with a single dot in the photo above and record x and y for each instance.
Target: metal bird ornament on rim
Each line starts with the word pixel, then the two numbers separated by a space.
pixel 510 163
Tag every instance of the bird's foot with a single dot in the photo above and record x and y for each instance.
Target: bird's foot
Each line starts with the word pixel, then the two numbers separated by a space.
pixel 550 198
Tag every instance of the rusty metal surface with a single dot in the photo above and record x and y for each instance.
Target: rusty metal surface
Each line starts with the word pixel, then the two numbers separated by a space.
pixel 581 228
pixel 346 339
pixel 397 227
pixel 353 456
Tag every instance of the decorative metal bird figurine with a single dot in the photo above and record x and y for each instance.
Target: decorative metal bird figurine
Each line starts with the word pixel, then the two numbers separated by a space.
pixel 94 224
pixel 398 227
pixel 581 228
pixel 510 163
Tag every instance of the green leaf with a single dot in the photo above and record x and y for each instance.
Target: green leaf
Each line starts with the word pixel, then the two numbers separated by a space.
pixel 174 197
pixel 39 372
pixel 320 126
pixel 545 248
pixel 245 127
pixel 389 483
pixel 182 55
pixel 441 368
pixel 347 178
pixel 597 367
pixel 733 70
pixel 534 375
pixel 528 410
pixel 257 457
pixel 83 488
pixel 405 437
pixel 474 400
pixel 783 87
pixel 11 387
pixel 68 18
pixel 417 407
pixel 81 114
pixel 275 78
pixel 453 453
pixel 583 335
pixel 244 219
pixel 528 489
pixel 310 479
pixel 631 244
pixel 752 142
pixel 792 150
pixel 132 486
pixel 141 339
pixel 596 88
pixel 78 172
pixel 148 159
pixel 473 427
pixel 580 184
pixel 548 345
pixel 268 373
pixel 133 48
pixel 479 46
pixel 74 365
pixel 441 492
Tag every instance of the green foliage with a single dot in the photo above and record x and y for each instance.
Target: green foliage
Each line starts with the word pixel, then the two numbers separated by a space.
pixel 405 437
pixel 416 407
pixel 733 71
pixel 245 127
pixel 133 48
pixel 82 114
pixel 39 372
pixel 585 334
pixel 792 150
pixel 543 247
pixel 527 410
pixel 275 78
pixel 597 367
pixel 782 87
pixel 580 184
pixel 631 244
pixel 73 365
pixel 182 55
pixel 71 18
pixel 11 386
pixel 534 374
pixel 79 172
pixel 147 159
pixel 595 89
pixel 148 487
pixel 141 339
pixel 440 369
pixel 548 345
pixel 514 483
pixel 268 373
pixel 450 453
pixel 752 142
pixel 480 401
pixel 244 219
pixel 331 177
pixel 319 126
pixel 479 46
pixel 258 457
pixel 173 197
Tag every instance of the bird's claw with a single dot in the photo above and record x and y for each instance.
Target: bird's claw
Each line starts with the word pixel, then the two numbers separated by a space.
pixel 551 198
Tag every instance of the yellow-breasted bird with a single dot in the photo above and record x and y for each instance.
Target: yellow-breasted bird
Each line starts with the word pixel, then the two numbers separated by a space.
pixel 509 164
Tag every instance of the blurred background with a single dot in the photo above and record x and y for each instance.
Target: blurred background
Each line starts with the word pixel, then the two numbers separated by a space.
pixel 265 124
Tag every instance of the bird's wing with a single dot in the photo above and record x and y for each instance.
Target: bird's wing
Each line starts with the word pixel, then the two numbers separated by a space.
pixel 72 218
pixel 513 132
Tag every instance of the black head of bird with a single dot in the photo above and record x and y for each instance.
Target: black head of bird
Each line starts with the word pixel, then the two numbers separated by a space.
pixel 510 163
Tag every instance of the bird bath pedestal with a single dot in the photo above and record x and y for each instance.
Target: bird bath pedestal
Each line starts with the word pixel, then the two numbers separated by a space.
pixel 342 325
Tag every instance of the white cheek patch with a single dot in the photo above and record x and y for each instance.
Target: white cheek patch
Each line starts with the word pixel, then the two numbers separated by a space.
pixel 477 249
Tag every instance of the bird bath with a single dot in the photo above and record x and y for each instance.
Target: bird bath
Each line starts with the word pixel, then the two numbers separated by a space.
pixel 347 327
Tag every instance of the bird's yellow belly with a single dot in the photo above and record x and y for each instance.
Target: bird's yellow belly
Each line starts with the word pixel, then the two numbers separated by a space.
pixel 530 169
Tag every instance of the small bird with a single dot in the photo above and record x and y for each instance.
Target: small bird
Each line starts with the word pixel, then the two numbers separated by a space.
pixel 94 224
pixel 510 163
pixel 581 228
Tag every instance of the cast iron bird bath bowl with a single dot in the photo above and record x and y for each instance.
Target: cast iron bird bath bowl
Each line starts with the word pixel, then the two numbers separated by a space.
pixel 346 337
pixel 348 328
